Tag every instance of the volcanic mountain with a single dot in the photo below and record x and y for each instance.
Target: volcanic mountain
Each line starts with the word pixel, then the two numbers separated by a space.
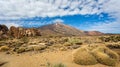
pixel 60 29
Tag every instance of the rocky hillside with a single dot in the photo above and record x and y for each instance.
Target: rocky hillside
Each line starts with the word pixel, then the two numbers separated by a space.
pixel 60 29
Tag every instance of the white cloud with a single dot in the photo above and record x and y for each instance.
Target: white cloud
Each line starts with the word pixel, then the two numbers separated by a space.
pixel 108 27
pixel 16 9
pixel 58 20
pixel 9 24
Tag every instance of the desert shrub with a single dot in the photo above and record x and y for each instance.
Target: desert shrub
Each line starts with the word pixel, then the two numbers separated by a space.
pixel 115 38
pixel 59 65
pixel 75 41
pixel 106 56
pixel 82 56
pixel 91 54
pixel 67 44
pixel 25 39
pixel 21 49
pixel 63 49
pixel 113 45
pixel 4 48
pixel 39 47
pixel 35 47
pixel 55 65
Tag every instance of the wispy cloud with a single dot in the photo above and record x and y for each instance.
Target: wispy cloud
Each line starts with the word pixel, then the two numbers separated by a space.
pixel 23 9
pixel 58 20
pixel 9 24
pixel 15 9
pixel 106 27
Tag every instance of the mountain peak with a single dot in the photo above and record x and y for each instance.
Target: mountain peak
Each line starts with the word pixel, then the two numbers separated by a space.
pixel 58 23
pixel 59 28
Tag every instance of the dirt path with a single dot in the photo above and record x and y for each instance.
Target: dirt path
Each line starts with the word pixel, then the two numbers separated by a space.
pixel 31 59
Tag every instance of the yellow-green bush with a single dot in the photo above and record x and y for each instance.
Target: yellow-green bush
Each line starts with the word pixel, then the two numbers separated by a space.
pixel 4 48
pixel 55 65
pixel 82 56
pixel 75 41
pixel 88 55
pixel 20 50
pixel 106 56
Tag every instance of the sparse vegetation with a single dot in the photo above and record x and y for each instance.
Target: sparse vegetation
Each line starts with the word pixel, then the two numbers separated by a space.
pixel 88 55
pixel 55 65
pixel 111 38
pixel 82 56
pixel 106 56
pixel 4 48
pixel 75 41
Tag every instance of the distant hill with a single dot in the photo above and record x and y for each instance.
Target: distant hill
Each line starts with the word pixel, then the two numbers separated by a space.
pixel 92 33
pixel 60 29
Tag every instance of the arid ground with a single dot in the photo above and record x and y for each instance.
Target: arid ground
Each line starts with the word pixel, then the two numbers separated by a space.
pixel 18 52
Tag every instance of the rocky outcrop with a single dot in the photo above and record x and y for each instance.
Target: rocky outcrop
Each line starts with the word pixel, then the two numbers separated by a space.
pixel 19 32
pixel 3 31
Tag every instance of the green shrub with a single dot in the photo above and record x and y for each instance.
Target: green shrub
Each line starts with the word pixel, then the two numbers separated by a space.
pixel 55 65
pixel 25 39
pixel 113 38
pixel 59 65
pixel 75 41
pixel 20 50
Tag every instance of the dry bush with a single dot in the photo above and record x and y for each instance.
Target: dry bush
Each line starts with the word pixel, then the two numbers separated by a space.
pixel 105 56
pixel 113 38
pixel 35 47
pixel 113 45
pixel 82 56
pixel 21 49
pixel 4 48
pixel 67 44
pixel 75 41
pixel 55 65
pixel 91 54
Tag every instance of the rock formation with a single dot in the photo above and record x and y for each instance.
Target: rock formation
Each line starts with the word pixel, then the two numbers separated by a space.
pixel 19 32
pixel 3 31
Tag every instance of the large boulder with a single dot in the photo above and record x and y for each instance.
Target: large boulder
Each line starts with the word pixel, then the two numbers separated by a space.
pixel 14 32
pixel 3 31
pixel 32 32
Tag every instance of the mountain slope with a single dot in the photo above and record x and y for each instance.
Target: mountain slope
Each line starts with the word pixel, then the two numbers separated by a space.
pixel 92 33
pixel 60 29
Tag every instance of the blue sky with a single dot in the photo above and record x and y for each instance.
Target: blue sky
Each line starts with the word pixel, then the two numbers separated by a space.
pixel 88 15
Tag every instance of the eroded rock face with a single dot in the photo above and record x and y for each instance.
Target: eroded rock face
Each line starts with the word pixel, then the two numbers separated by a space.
pixel 14 32
pixel 19 32
pixel 3 31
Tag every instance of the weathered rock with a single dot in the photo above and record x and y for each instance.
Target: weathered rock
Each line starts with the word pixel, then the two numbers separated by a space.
pixel 19 32
pixel 14 32
pixel 3 29
pixel 3 32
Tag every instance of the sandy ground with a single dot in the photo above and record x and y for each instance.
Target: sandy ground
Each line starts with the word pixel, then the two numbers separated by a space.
pixel 32 59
